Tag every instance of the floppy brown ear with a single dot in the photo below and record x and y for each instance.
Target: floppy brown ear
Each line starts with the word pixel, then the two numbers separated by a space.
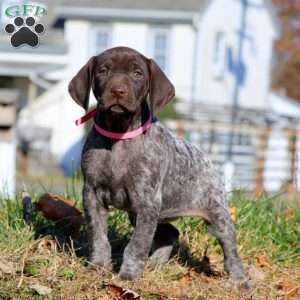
pixel 80 85
pixel 161 89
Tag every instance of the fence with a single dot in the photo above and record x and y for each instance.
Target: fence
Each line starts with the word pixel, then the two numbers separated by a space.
pixel 264 158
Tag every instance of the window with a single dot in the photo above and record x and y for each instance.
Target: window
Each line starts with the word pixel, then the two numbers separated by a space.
pixel 219 58
pixel 160 45
pixel 101 39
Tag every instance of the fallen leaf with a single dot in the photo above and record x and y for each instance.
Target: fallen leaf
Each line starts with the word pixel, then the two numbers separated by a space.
pixel 122 294
pixel 292 292
pixel 256 274
pixel 117 290
pixel 262 261
pixel 289 289
pixel 41 290
pixel 6 268
pixel 233 213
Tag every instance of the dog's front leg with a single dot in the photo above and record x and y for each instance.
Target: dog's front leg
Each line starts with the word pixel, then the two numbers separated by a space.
pixel 96 217
pixel 137 250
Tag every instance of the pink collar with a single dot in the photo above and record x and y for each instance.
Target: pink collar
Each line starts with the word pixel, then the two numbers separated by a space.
pixel 115 135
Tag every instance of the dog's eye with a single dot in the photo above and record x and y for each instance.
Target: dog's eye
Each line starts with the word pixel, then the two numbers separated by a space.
pixel 138 73
pixel 103 70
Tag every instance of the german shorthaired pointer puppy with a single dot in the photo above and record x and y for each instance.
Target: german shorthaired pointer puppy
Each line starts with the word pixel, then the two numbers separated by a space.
pixel 132 162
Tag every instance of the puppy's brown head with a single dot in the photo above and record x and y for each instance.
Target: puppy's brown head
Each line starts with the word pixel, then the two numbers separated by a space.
pixel 121 79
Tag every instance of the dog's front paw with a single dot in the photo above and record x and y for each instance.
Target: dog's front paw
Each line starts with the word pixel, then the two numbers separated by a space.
pixel 96 262
pixel 241 283
pixel 131 269
pixel 128 275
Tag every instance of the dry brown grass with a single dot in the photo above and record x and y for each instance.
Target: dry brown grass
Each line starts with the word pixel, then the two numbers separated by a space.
pixel 43 262
pixel 29 260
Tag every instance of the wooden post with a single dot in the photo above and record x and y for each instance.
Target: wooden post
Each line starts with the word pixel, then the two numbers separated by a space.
pixel 262 147
pixel 292 182
pixel 8 100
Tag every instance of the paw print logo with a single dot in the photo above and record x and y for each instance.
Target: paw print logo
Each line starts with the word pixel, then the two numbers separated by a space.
pixel 24 31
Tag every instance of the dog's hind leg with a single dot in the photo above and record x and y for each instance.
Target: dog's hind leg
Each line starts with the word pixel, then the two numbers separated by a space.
pixel 222 227
pixel 165 237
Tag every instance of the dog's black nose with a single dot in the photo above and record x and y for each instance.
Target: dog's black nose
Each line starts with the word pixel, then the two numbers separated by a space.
pixel 118 91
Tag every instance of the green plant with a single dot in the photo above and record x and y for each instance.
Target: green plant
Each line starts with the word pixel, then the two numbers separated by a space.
pixel 170 111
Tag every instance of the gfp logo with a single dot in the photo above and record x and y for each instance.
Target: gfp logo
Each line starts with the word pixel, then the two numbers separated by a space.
pixel 24 29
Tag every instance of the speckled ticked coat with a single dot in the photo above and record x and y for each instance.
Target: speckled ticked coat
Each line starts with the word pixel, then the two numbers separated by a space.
pixel 155 177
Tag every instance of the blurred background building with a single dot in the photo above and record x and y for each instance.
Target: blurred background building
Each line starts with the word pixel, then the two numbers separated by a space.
pixel 219 54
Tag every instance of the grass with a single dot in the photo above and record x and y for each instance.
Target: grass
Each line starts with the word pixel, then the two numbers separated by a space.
pixel 269 243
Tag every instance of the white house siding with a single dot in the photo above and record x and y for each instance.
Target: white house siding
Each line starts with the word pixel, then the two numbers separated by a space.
pixel 77 37
pixel 181 60
pixel 31 58
pixel 133 35
pixel 226 15
pixel 277 169
pixel 209 89
pixel 277 160
pixel 55 110
pixel 258 55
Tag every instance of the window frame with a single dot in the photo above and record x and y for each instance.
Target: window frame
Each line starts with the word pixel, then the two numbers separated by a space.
pixel 96 29
pixel 155 30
